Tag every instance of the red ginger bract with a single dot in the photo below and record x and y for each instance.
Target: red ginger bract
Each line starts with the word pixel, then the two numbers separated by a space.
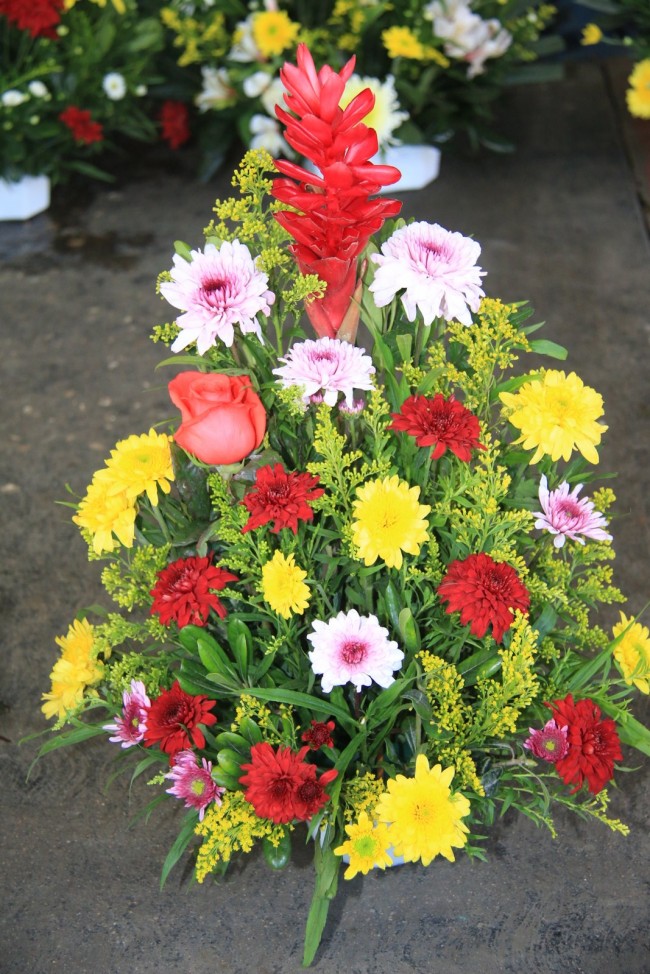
pixel 337 216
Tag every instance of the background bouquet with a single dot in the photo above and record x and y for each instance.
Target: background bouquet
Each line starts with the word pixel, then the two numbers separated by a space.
pixel 435 68
pixel 355 585
pixel 75 76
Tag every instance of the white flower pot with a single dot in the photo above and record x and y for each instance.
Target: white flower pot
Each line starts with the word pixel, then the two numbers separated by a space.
pixel 25 198
pixel 418 164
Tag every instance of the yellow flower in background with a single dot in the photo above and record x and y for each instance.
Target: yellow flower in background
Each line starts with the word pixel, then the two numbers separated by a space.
pixel 273 32
pixel 632 654
pixel 638 94
pixel 423 815
pixel 388 521
pixel 119 5
pixel 402 42
pixel 366 847
pixel 104 514
pixel 591 34
pixel 386 115
pixel 76 669
pixel 141 464
pixel 556 414
pixel 283 585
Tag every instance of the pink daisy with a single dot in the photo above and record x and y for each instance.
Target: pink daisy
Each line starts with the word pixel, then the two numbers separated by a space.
pixel 217 289
pixel 550 743
pixel 436 270
pixel 130 727
pixel 566 516
pixel 193 782
pixel 326 367
pixel 353 649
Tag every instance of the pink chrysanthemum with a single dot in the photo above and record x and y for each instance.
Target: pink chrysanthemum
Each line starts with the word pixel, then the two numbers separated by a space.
pixel 435 268
pixel 193 782
pixel 550 743
pixel 130 727
pixel 353 649
pixel 327 366
pixel 217 290
pixel 566 516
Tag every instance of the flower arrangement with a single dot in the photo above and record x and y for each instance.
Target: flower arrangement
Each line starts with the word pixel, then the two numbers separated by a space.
pixel 75 76
pixel 434 68
pixel 356 580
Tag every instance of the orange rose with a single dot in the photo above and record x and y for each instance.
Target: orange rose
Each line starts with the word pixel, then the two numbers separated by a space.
pixel 223 419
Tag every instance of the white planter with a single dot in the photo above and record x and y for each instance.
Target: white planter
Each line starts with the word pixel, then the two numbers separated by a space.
pixel 25 198
pixel 418 164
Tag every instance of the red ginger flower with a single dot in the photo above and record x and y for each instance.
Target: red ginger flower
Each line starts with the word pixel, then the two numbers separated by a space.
pixel 38 17
pixel 280 497
pixel 485 592
pixel 445 423
pixel 593 742
pixel 80 123
pixel 184 592
pixel 337 216
pixel 173 720
pixel 175 122
pixel 281 787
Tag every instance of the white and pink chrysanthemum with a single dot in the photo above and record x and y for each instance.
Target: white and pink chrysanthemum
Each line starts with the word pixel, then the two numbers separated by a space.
pixel 193 782
pixel 130 727
pixel 435 268
pixel 217 289
pixel 326 367
pixel 567 516
pixel 550 743
pixel 353 649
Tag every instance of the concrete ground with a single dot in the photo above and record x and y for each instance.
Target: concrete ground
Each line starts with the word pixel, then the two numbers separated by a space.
pixel 561 222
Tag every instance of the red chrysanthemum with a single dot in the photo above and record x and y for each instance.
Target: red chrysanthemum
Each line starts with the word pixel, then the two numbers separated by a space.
pixel 319 734
pixel 281 497
pixel 336 216
pixel 443 423
pixel 485 592
pixel 80 123
pixel 280 786
pixel 38 17
pixel 594 744
pixel 173 720
pixel 175 123
pixel 185 591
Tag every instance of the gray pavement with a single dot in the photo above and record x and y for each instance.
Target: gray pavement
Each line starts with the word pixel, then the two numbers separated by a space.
pixel 561 224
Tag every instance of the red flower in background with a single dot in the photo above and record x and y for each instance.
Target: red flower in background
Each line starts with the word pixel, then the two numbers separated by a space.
pixel 443 423
pixel 337 216
pixel 38 17
pixel 173 720
pixel 281 787
pixel 175 122
pixel 319 734
pixel 593 742
pixel 185 591
pixel 80 123
pixel 280 497
pixel 485 592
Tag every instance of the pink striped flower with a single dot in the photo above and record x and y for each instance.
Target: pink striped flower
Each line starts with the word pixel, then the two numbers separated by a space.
pixel 566 516
pixel 130 727
pixel 193 782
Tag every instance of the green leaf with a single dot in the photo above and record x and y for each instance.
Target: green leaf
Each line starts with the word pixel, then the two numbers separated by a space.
pixel 542 346
pixel 630 730
pixel 82 732
pixel 180 845
pixel 183 250
pixel 277 856
pixel 296 699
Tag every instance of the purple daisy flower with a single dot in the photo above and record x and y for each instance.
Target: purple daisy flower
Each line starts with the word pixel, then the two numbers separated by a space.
pixel 130 727
pixel 326 367
pixel 217 289
pixel 193 782
pixel 435 268
pixel 550 743
pixel 566 516
pixel 353 649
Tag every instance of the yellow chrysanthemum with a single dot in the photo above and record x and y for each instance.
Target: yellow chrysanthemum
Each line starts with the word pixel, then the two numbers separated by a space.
pixel 423 815
pixel 388 521
pixel 638 94
pixel 141 464
pixel 557 414
pixel 591 34
pixel 273 32
pixel 76 669
pixel 367 847
pixel 106 515
pixel 283 585
pixel 402 42
pixel 632 654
